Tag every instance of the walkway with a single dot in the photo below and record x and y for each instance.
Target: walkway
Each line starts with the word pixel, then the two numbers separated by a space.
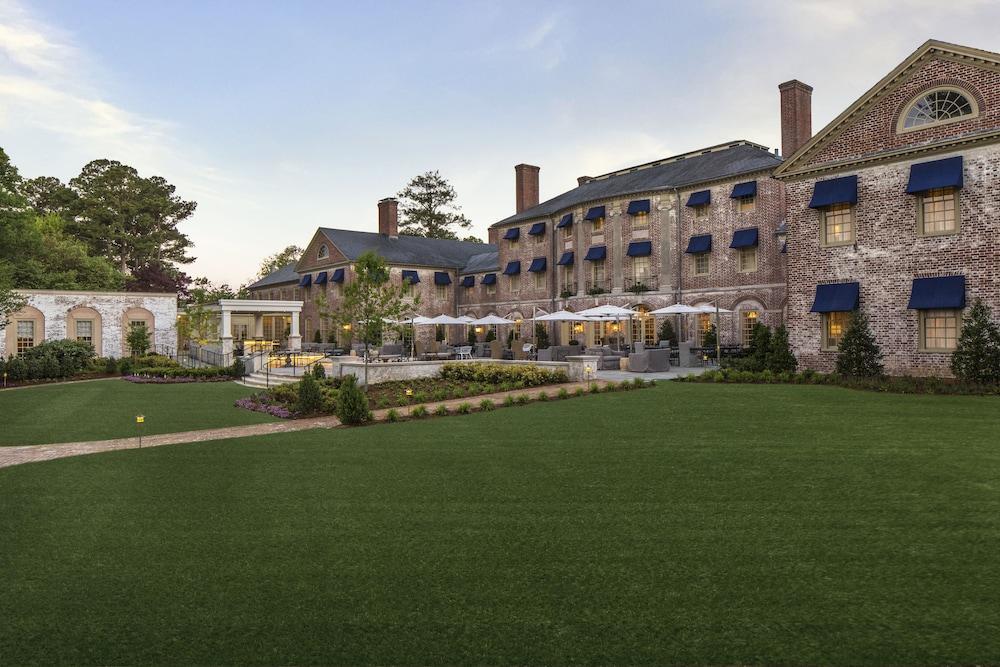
pixel 17 454
pixel 618 376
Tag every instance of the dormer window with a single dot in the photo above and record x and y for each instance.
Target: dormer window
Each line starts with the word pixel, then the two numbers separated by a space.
pixel 323 253
pixel 937 107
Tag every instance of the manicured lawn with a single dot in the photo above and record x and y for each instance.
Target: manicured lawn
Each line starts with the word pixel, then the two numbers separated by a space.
pixel 107 409
pixel 684 524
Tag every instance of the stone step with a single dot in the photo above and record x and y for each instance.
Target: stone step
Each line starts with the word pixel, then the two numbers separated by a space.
pixel 261 380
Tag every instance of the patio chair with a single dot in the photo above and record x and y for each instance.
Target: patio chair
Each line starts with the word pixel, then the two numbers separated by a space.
pixel 638 362
pixel 463 352
pixel 658 360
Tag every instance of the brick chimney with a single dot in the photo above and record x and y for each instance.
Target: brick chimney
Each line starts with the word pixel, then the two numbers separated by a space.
pixel 388 217
pixel 526 186
pixel 796 116
pixel 493 235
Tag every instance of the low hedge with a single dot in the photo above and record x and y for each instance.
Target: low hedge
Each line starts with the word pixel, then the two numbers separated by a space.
pixel 181 372
pixel 528 376
pixel 897 384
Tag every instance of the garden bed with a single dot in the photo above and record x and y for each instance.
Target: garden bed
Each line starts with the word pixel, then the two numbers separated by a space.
pixel 454 381
pixel 898 384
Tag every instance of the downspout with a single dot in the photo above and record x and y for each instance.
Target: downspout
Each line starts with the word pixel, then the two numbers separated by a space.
pixel 680 273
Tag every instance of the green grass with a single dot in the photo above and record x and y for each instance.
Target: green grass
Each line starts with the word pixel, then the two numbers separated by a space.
pixel 107 408
pixel 685 524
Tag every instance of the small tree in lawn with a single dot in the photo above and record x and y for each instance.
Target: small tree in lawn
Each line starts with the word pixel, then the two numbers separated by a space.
pixel 369 300
pixel 858 354
pixel 138 340
pixel 977 357
pixel 667 331
pixel 780 358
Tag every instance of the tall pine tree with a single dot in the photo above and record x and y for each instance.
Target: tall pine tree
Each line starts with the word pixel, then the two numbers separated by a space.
pixel 977 357
pixel 858 354
pixel 428 206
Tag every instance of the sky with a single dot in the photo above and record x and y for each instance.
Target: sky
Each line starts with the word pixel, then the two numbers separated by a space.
pixel 279 117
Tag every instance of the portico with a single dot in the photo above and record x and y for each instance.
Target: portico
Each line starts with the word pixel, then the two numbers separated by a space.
pixel 283 311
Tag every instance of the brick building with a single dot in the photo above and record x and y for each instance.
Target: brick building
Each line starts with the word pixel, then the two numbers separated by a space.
pixel 892 208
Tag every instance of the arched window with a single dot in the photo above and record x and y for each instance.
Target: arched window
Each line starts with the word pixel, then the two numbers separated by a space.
pixel 936 107
pixel 323 252
pixel 84 324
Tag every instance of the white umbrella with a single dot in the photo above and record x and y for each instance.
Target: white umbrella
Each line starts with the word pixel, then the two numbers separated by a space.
pixel 445 319
pixel 561 316
pixel 416 319
pixel 709 308
pixel 466 319
pixel 608 311
pixel 491 319
pixel 676 309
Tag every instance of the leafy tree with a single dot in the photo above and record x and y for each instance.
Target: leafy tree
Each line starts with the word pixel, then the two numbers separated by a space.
pixel 472 238
pixel 138 340
pixel 858 354
pixel 428 208
pixel 47 195
pixel 667 331
pixel 129 219
pixel 977 357
pixel 279 260
pixel 369 300
pixel 780 358
pixel 10 303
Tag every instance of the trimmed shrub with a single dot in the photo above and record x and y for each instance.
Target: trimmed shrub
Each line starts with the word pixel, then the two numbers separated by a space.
pixel 441 410
pixel 419 412
pixel 858 354
pixel 392 416
pixel 977 357
pixel 528 376
pixel 310 400
pixel 522 399
pixel 352 404
pixel 110 365
pixel 579 392
pixel 595 388
pixel 319 372
pixel 71 357
pixel 542 396
pixel 486 405
pixel 238 369
pixel 508 401
pixel 464 408
pixel 563 394
pixel 780 358
pixel 667 331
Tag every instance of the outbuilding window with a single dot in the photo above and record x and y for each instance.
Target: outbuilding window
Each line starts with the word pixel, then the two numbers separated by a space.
pixel 85 331
pixel 25 335
pixel 749 319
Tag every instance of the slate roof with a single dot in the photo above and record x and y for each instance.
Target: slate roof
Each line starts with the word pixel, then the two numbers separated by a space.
pixel 406 250
pixel 486 261
pixel 682 171
pixel 286 274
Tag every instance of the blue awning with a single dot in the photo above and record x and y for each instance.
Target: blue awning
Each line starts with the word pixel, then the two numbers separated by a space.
pixel 338 276
pixel 835 191
pixel 946 173
pixel 513 234
pixel 537 229
pixel 538 265
pixel 943 292
pixel 697 244
pixel 566 221
pixel 744 238
pixel 410 276
pixel 469 281
pixel 640 249
pixel 638 206
pixel 306 280
pixel 594 213
pixel 744 190
pixel 836 298
pixel 700 198
pixel 596 253
pixel 566 259
pixel 512 268
pixel 489 279
pixel 442 278
pixel 320 278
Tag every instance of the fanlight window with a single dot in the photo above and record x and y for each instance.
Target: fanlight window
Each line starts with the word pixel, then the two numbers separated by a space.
pixel 938 106
pixel 324 252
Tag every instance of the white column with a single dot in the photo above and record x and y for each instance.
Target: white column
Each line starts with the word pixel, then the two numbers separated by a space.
pixel 294 339
pixel 226 333
pixel 258 325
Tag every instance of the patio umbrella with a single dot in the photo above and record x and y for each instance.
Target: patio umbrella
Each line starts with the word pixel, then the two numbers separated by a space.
pixel 608 311
pixel 709 308
pixel 445 319
pixel 466 319
pixel 561 316
pixel 677 309
pixel 491 319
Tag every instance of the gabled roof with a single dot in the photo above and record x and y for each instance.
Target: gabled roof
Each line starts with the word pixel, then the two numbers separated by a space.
pixel 406 250
pixel 486 261
pixel 286 274
pixel 708 164
pixel 798 162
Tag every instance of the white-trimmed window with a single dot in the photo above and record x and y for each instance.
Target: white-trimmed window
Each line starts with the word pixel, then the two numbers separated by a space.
pixel 701 210
pixel 85 331
pixel 598 225
pixel 837 224
pixel 441 292
pixel 491 289
pixel 640 219
pixel 515 283
pixel 702 264
pixel 641 272
pixel 937 107
pixel 747 204
pixel 567 278
pixel 834 326
pixel 567 232
pixel 748 259
pixel 938 212
pixel 538 279
pixel 25 335
pixel 939 330
pixel 748 319
pixel 597 274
